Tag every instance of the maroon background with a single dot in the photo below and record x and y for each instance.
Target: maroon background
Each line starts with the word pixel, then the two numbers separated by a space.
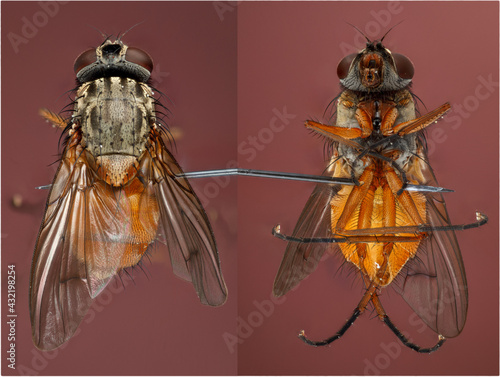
pixel 158 326
pixel 287 56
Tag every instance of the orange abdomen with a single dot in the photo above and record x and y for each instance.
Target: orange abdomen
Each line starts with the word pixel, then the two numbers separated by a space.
pixel 380 254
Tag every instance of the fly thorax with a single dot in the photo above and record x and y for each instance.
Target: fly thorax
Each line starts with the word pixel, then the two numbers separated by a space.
pixel 404 148
pixel 351 156
pixel 406 107
pixel 116 115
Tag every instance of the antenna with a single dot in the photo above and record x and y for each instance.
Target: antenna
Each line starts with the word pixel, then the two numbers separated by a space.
pixel 100 32
pixel 120 36
pixel 390 30
pixel 363 34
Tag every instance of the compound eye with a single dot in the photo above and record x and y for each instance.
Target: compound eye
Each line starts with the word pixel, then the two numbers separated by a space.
pixel 86 58
pixel 344 65
pixel 404 66
pixel 140 57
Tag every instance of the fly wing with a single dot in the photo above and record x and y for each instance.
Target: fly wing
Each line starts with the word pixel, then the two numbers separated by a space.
pixel 76 253
pixel 188 233
pixel 434 283
pixel 301 259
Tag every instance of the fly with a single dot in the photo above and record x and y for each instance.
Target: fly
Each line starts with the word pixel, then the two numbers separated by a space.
pixel 116 187
pixel 391 235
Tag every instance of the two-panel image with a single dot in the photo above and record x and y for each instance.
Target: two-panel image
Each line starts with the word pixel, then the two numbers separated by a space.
pixel 249 188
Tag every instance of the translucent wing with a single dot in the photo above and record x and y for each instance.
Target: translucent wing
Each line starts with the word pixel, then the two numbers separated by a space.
pixel 189 236
pixel 434 283
pixel 77 252
pixel 301 259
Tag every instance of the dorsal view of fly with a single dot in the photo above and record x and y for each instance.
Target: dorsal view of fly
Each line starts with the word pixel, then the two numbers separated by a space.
pixel 392 235
pixel 116 187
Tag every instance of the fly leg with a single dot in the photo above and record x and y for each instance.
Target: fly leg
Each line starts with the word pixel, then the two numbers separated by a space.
pixel 337 335
pixel 378 120
pixel 367 235
pixel 420 123
pixel 385 318
pixel 276 232
pixel 392 132
pixel 344 135
pixel 356 313
pixel 56 119
pixel 353 177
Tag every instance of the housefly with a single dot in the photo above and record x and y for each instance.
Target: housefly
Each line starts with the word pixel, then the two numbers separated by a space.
pixel 393 236
pixel 117 186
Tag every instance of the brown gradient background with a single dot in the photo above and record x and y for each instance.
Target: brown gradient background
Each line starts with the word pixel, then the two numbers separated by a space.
pixel 287 56
pixel 157 326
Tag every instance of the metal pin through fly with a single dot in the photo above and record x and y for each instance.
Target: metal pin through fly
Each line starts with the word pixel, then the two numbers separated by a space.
pixel 287 176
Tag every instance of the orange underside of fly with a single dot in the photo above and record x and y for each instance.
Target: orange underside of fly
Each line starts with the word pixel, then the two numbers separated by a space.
pixel 356 210
pixel 370 214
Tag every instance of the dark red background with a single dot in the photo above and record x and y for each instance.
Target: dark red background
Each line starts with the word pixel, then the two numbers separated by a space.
pixel 287 53
pixel 157 326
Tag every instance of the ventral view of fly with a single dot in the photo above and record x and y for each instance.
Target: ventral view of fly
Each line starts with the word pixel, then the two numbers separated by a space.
pixel 393 236
pixel 116 188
